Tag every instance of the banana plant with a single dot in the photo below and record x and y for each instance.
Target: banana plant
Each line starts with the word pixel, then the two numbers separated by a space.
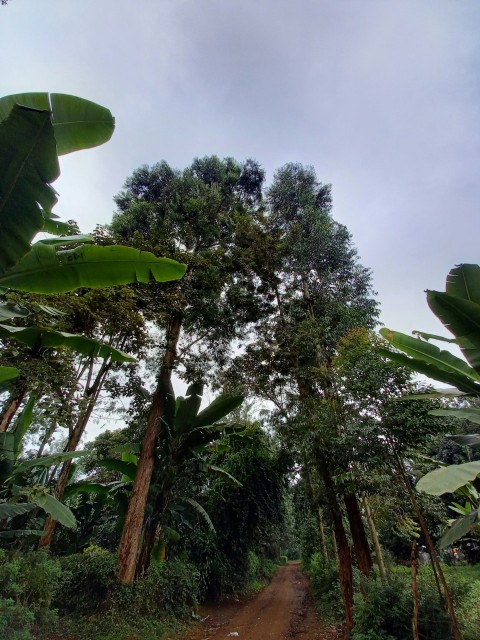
pixel 458 308
pixel 36 128
pixel 24 483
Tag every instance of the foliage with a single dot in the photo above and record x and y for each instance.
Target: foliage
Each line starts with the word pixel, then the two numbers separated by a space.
pixel 27 586
pixel 325 585
pixel 15 620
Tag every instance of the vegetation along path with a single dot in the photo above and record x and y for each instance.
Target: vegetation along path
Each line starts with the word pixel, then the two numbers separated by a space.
pixel 281 611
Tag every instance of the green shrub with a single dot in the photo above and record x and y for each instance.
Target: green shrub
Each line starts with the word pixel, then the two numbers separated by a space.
pixel 325 586
pixel 15 621
pixel 86 582
pixel 169 587
pixel 283 560
pixel 30 580
pixel 385 611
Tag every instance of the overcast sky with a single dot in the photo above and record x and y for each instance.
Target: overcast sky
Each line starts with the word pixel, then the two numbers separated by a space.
pixel 382 97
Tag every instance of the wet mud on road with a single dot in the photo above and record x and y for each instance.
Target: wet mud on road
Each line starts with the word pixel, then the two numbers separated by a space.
pixel 283 610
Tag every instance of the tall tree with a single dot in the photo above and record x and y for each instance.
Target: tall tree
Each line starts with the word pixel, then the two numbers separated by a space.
pixel 200 214
pixel 320 292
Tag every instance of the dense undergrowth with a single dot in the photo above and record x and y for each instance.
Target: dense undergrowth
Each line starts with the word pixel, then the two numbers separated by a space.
pixel 80 595
pixel 384 611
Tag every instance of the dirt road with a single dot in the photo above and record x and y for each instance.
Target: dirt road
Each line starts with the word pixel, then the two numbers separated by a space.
pixel 282 611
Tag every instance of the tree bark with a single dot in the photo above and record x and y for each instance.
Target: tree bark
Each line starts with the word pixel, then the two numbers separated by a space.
pixel 431 548
pixel 132 529
pixel 376 542
pixel 11 409
pixel 72 444
pixel 344 555
pixel 413 563
pixel 359 537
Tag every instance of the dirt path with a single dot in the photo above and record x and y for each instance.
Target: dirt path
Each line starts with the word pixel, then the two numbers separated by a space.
pixel 282 611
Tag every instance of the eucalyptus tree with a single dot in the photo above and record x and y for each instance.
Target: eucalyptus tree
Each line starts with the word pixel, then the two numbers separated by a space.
pixel 320 292
pixel 201 216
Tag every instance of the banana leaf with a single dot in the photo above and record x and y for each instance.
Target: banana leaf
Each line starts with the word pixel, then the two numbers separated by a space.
pixel 77 123
pixel 45 270
pixel 448 479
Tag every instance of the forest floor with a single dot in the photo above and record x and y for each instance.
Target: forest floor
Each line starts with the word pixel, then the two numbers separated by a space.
pixel 283 610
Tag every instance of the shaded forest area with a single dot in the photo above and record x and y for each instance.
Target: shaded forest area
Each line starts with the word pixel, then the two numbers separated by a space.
pixel 302 434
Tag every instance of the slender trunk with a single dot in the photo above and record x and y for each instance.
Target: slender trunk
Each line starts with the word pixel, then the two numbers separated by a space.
pixel 413 563
pixel 322 534
pixel 132 530
pixel 318 511
pixel 344 555
pixel 73 441
pixel 46 438
pixel 334 546
pixel 435 561
pixel 11 408
pixel 376 542
pixel 359 537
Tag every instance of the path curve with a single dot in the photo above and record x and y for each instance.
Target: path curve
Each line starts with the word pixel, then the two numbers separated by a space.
pixel 281 611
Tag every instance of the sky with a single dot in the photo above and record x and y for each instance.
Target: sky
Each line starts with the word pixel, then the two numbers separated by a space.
pixel 382 97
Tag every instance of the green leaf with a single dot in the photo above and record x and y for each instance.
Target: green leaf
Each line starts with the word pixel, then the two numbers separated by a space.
pixel 78 123
pixel 127 469
pixel 187 408
pixel 29 164
pixel 463 383
pixel 460 414
pixel 38 338
pixel 85 487
pixel 460 527
pixel 48 461
pixel 9 311
pixel 471 440
pixel 462 318
pixel 227 476
pixel 21 533
pixel 81 238
pixel 429 353
pixel 21 424
pixel 217 410
pixel 201 511
pixel 45 270
pixel 432 336
pixel 464 282
pixel 59 512
pixel 8 373
pixel 56 227
pixel 10 510
pixel 448 479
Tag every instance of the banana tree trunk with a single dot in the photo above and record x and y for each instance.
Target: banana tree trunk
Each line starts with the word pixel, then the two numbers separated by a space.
pixel 132 530
pixel 359 537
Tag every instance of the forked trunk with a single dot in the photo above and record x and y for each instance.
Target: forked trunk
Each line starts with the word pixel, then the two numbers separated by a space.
pixel 132 530
pixel 376 542
pixel 359 537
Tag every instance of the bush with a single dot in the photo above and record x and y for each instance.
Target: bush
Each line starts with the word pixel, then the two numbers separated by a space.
pixel 385 612
pixel 15 621
pixel 29 580
pixel 325 586
pixel 86 581
pixel 169 587
pixel 283 560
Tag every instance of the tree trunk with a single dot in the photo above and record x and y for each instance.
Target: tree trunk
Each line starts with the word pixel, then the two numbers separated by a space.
pixel 359 537
pixel 132 530
pixel 11 409
pixel 413 563
pixel 322 534
pixel 431 548
pixel 376 542
pixel 344 555
pixel 72 444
